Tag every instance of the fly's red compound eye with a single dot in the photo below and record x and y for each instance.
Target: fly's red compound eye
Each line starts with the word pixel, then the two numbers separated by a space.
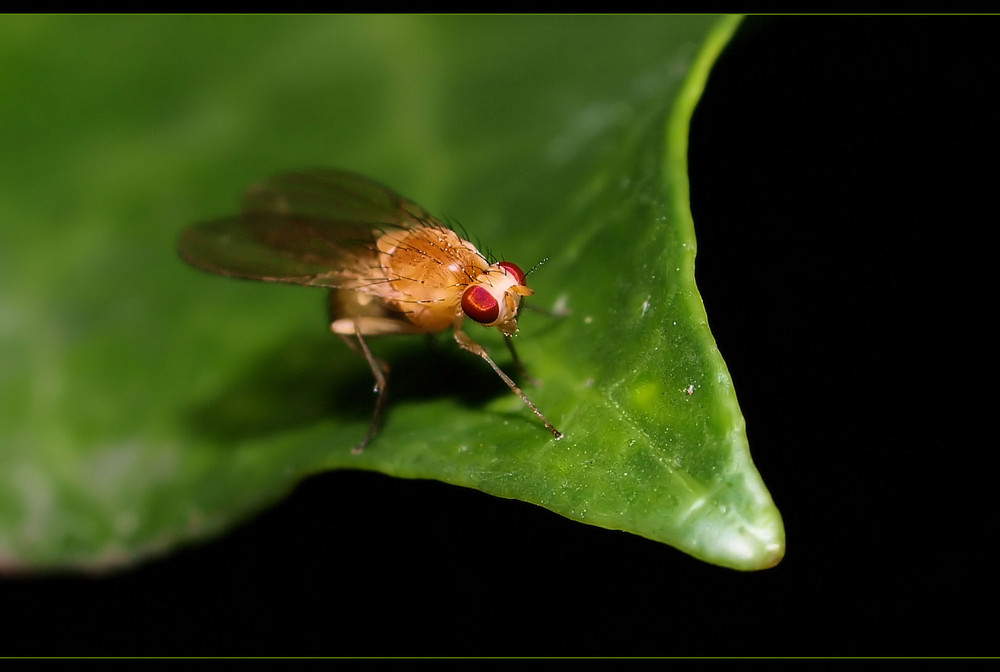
pixel 480 305
pixel 514 270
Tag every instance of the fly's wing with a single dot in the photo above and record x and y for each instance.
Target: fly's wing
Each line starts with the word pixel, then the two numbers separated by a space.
pixel 332 194
pixel 313 227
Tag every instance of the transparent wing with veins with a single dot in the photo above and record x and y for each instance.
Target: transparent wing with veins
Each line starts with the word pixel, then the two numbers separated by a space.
pixel 312 227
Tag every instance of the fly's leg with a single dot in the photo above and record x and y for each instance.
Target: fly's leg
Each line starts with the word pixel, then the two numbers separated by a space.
pixel 558 312
pixel 468 344
pixel 380 370
pixel 509 340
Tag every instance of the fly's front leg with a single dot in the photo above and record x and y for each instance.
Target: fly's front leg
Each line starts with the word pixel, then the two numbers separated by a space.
pixel 509 340
pixel 468 344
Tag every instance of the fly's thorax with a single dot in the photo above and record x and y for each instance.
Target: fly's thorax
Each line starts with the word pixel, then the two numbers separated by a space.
pixel 426 270
pixel 494 298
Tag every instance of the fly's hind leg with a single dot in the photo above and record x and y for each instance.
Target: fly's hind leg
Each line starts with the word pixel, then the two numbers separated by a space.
pixel 380 370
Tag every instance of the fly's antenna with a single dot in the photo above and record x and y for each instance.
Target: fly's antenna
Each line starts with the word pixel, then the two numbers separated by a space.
pixel 533 268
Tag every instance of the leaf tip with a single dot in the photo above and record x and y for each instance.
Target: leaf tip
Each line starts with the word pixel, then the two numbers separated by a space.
pixel 747 538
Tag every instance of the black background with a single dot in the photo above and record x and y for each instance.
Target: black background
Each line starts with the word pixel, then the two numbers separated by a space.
pixel 843 171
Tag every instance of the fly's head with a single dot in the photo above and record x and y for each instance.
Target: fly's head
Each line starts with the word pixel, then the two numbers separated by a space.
pixel 494 298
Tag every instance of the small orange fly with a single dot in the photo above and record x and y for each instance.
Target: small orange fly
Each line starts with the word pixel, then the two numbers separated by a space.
pixel 391 266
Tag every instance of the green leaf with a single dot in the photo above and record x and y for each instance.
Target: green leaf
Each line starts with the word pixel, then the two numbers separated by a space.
pixel 145 404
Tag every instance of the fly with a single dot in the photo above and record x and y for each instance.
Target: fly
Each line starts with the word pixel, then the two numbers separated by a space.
pixel 391 267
